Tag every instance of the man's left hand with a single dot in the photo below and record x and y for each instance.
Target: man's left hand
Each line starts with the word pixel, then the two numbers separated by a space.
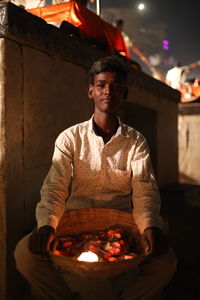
pixel 154 241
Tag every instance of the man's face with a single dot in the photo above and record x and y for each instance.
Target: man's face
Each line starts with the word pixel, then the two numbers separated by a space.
pixel 107 91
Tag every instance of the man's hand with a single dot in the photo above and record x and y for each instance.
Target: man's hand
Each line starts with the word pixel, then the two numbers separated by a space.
pixel 41 240
pixel 154 241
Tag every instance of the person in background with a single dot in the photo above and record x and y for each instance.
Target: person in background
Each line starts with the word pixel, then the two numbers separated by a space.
pixel 100 163
pixel 132 47
pixel 190 91
pixel 119 23
pixel 176 76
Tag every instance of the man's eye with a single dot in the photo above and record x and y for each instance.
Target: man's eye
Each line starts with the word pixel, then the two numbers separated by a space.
pixel 101 85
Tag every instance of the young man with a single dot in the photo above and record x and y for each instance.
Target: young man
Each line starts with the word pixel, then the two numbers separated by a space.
pixel 100 163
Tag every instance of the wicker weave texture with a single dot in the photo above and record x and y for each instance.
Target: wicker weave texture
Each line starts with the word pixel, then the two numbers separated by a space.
pixel 93 219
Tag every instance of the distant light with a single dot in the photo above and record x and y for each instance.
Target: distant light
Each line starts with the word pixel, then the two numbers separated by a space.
pixel 165 45
pixel 141 6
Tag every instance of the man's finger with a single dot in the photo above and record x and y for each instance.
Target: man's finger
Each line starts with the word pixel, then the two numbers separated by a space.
pixel 49 241
pixel 54 244
pixel 145 244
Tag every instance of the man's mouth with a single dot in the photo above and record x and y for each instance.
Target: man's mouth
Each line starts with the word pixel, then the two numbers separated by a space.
pixel 107 100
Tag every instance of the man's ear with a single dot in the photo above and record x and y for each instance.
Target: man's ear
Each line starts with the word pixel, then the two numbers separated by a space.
pixel 125 92
pixel 90 91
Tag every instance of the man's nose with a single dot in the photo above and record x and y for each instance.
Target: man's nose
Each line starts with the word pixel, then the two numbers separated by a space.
pixel 108 89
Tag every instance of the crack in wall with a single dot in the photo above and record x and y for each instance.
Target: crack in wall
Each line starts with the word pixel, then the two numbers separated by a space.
pixel 187 138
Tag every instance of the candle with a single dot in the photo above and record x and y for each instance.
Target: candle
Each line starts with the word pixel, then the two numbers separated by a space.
pixel 88 256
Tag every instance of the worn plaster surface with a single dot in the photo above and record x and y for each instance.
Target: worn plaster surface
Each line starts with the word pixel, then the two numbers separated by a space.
pixel 2 175
pixel 189 146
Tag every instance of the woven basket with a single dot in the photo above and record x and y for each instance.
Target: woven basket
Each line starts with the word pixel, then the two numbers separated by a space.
pixel 94 219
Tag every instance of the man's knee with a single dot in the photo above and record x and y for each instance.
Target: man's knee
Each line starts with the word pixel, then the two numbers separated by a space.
pixel 163 266
pixel 22 255
pixel 168 262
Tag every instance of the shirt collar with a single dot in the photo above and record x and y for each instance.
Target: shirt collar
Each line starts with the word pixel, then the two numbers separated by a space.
pixel 122 129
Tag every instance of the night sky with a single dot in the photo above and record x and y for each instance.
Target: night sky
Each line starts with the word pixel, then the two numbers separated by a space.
pixel 182 19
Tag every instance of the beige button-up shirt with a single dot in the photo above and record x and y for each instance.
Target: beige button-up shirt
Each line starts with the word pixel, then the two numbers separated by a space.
pixel 86 172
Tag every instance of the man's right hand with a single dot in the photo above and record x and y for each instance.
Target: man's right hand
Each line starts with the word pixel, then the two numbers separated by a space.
pixel 41 240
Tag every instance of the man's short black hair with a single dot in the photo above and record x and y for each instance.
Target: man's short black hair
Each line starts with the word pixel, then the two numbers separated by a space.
pixel 114 63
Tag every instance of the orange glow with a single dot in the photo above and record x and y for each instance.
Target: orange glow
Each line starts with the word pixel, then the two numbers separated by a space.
pixel 88 22
pixel 196 91
pixel 196 87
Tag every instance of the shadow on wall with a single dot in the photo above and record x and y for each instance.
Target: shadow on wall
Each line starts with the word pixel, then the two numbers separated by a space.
pixel 181 209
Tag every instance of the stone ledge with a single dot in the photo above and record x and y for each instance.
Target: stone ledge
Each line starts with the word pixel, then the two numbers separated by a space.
pixel 189 108
pixel 25 28
pixel 156 87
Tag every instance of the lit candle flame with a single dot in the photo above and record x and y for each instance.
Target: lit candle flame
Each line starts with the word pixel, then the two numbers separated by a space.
pixel 88 256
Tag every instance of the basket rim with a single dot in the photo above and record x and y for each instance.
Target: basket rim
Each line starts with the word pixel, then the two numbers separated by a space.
pixel 87 219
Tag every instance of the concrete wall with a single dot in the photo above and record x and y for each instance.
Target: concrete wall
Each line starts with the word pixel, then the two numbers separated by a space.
pixel 12 168
pixel 154 95
pixel 2 178
pixel 43 90
pixel 189 143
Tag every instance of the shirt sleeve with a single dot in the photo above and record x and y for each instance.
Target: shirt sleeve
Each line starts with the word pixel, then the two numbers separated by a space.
pixel 56 186
pixel 145 193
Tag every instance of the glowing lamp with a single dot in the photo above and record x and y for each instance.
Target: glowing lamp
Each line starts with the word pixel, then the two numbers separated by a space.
pixel 141 6
pixel 88 256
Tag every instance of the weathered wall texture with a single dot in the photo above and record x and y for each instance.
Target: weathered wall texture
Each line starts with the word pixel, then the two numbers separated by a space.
pixel 43 90
pixel 12 172
pixel 54 98
pixel 3 254
pixel 189 143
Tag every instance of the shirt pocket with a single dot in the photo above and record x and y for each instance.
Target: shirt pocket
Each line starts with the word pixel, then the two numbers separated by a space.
pixel 118 181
